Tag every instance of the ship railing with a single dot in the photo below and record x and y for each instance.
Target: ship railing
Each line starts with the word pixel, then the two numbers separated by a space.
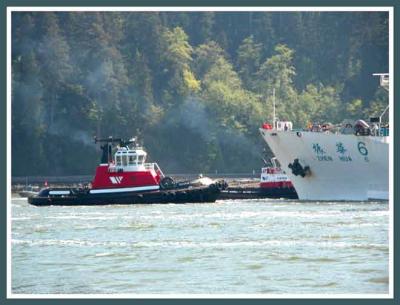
pixel 155 167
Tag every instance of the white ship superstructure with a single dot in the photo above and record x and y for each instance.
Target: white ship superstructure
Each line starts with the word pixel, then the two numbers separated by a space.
pixel 326 165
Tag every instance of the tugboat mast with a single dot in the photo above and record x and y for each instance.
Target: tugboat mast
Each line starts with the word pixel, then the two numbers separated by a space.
pixel 273 103
pixel 106 157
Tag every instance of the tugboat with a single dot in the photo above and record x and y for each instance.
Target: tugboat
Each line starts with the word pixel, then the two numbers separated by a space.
pixel 126 178
pixel 274 183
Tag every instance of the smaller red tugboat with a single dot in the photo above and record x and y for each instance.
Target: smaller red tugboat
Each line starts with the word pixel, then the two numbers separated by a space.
pixel 274 183
pixel 125 178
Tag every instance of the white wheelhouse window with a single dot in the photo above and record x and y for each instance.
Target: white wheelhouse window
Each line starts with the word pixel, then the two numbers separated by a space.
pixel 140 160
pixel 125 160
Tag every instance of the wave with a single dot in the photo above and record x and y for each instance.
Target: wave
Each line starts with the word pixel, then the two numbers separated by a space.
pixel 203 244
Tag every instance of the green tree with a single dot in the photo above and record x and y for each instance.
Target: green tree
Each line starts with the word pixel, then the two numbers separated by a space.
pixel 354 108
pixel 319 104
pixel 53 53
pixel 177 57
pixel 248 60
pixel 277 73
pixel 205 56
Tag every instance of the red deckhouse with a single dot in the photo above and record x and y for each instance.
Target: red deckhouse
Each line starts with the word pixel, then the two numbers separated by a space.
pixel 126 171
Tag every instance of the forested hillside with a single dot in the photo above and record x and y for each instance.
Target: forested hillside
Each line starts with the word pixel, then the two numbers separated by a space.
pixel 193 87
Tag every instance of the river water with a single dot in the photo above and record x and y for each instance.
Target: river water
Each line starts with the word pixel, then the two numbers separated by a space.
pixel 228 247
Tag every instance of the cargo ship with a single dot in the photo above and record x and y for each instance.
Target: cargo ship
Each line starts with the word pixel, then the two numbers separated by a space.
pixel 350 163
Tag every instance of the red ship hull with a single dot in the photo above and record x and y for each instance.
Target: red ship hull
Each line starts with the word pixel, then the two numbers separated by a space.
pixel 106 179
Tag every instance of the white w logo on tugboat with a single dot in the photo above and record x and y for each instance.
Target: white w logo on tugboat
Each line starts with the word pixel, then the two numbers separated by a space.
pixel 116 180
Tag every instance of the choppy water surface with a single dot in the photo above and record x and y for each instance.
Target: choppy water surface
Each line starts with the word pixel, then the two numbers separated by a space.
pixel 228 247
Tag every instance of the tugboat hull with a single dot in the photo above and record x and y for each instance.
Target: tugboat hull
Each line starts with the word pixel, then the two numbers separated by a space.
pixel 84 197
pixel 258 193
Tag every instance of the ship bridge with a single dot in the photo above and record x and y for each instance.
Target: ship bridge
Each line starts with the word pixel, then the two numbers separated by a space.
pixel 130 159
pixel 384 80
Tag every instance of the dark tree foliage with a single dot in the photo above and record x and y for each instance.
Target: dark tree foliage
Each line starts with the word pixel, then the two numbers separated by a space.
pixel 193 86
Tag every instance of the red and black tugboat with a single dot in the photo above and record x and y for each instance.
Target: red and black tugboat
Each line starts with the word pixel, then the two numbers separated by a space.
pixel 125 178
pixel 274 183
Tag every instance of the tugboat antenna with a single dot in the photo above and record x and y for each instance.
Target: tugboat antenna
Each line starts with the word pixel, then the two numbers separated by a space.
pixel 107 148
pixel 111 140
